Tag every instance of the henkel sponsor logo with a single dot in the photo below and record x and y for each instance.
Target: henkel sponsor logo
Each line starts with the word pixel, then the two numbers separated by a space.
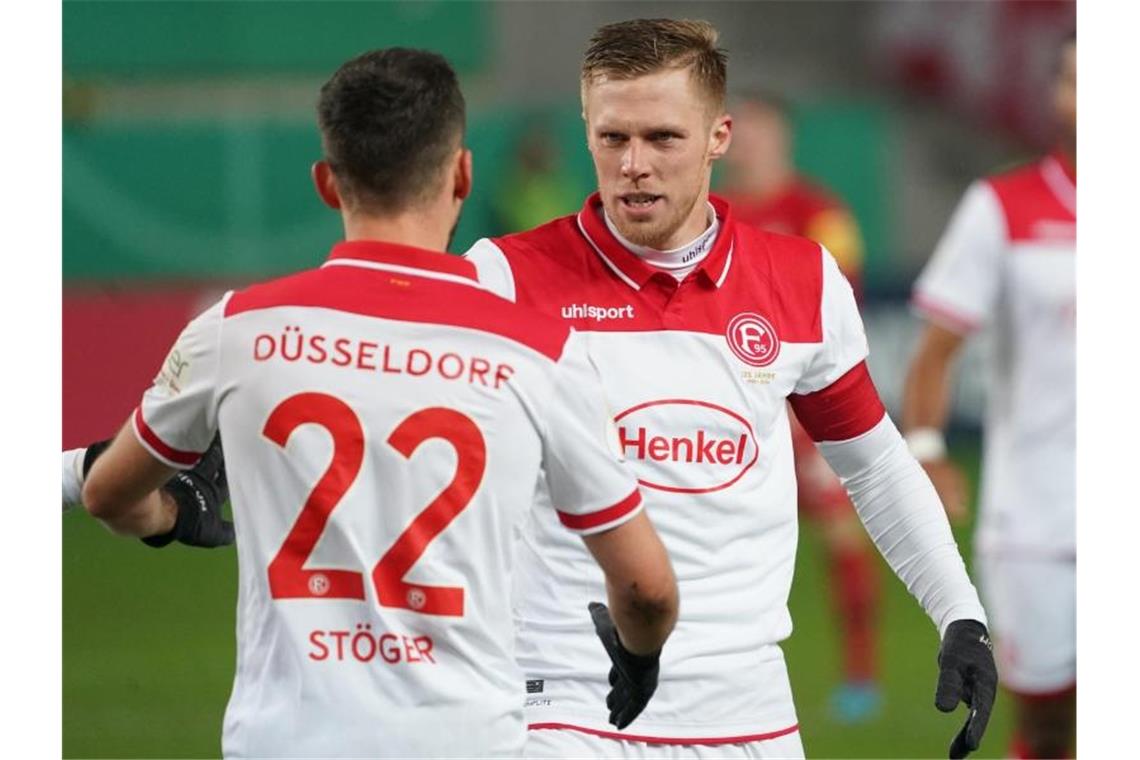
pixel 685 445
pixel 753 339
pixel 596 313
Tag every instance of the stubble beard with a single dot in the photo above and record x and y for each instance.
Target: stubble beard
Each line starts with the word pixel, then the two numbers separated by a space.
pixel 654 234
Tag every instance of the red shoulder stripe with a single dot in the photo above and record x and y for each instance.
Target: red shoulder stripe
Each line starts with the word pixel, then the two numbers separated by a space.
pixel 406 298
pixel 602 516
pixel 158 446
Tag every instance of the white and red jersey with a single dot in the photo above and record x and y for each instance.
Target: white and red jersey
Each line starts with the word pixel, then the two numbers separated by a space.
pixel 1007 261
pixel 698 374
pixel 384 421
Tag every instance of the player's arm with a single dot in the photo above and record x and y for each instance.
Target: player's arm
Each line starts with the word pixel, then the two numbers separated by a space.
pixel 926 406
pixel 640 586
pixel 954 295
pixel 162 478
pixel 122 489
pixel 596 496
pixel 839 407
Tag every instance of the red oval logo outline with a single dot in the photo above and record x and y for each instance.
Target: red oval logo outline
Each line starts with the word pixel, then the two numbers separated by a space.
pixel 693 402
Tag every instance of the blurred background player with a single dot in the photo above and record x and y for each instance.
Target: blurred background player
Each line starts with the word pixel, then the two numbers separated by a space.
pixel 378 481
pixel 767 191
pixel 1006 262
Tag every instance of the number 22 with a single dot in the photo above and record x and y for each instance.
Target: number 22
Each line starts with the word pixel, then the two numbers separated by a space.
pixel 289 579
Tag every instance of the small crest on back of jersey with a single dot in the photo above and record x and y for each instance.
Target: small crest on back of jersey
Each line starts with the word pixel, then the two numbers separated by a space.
pixel 753 339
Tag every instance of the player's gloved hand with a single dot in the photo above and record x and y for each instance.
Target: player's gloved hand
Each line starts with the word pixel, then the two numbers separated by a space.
pixel 199 493
pixel 633 677
pixel 967 673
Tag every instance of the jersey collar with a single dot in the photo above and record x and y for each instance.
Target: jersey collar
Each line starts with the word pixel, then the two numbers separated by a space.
pixel 1061 178
pixel 631 269
pixel 375 254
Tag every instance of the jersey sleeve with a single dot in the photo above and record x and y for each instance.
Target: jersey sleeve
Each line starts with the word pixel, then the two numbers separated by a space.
pixel 844 342
pixel 177 417
pixel 493 269
pixel 959 286
pixel 590 485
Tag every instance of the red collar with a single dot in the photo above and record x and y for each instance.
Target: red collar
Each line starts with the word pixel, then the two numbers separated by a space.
pixel 635 272
pixel 378 252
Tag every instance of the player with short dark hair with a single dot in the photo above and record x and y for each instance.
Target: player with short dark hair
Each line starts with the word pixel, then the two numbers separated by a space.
pixel 1007 261
pixel 385 419
pixel 702 330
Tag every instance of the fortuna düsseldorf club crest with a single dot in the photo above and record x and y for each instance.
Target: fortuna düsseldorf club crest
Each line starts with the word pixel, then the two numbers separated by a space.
pixel 753 339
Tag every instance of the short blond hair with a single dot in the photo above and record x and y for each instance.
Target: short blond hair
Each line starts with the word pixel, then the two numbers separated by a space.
pixel 632 49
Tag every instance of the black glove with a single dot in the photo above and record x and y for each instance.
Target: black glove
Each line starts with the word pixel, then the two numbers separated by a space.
pixel 967 673
pixel 199 493
pixel 633 677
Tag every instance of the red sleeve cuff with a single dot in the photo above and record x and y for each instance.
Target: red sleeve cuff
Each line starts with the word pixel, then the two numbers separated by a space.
pixel 947 316
pixel 602 516
pixel 843 410
pixel 168 454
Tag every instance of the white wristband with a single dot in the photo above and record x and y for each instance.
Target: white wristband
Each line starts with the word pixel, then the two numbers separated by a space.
pixel 926 444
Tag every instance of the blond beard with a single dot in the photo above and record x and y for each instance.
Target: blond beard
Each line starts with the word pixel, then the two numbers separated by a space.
pixel 652 235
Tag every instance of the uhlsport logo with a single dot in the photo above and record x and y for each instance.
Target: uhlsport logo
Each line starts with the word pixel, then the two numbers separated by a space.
pixel 685 445
pixel 753 339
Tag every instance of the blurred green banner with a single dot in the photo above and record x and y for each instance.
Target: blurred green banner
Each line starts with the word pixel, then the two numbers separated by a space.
pixel 155 38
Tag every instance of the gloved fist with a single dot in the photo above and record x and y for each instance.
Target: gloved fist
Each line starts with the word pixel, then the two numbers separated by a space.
pixel 633 678
pixel 199 493
pixel 967 673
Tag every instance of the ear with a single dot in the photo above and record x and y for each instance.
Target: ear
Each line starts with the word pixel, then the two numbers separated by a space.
pixel 464 177
pixel 325 183
pixel 720 137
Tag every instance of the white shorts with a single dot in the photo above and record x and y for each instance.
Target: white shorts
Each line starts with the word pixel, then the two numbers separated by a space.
pixel 1032 609
pixel 566 743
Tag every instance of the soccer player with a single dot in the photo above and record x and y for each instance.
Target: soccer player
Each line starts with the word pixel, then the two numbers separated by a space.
pixel 1007 260
pixel 765 190
pixel 702 330
pixel 385 420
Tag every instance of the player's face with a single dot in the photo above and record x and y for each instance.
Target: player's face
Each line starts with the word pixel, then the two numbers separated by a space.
pixel 1065 94
pixel 653 141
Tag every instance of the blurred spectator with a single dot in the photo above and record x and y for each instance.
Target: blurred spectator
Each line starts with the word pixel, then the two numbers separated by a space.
pixel 535 187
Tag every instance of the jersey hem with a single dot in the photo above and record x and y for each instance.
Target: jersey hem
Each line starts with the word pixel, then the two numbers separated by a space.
pixel 702 740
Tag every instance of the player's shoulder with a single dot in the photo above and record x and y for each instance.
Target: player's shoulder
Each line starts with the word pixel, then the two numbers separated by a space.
pixel 1030 192
pixel 1015 174
pixel 787 271
pixel 277 291
pixel 537 240
pixel 787 256
pixel 545 249
pixel 490 312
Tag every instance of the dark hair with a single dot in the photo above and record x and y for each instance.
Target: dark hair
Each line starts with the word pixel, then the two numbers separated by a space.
pixel 389 119
pixel 631 49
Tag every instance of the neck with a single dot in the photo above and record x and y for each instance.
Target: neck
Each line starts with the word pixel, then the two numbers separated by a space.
pixel 697 222
pixel 417 228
